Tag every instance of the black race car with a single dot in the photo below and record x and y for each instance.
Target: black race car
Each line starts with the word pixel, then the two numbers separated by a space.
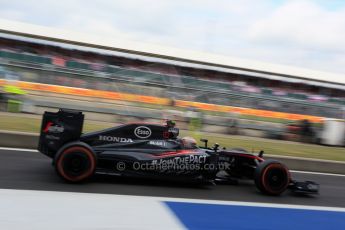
pixel 154 151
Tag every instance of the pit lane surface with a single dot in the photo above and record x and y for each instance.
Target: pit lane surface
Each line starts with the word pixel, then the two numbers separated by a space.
pixel 33 171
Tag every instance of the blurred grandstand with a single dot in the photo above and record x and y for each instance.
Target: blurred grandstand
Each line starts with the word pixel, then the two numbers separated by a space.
pixel 144 84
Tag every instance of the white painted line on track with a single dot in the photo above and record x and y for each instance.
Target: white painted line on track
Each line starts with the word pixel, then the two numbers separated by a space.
pixel 294 171
pixel 304 158
pixel 317 173
pixel 137 199
pixel 18 149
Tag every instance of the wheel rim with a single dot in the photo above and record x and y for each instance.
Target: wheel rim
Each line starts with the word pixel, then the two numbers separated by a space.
pixel 75 164
pixel 276 179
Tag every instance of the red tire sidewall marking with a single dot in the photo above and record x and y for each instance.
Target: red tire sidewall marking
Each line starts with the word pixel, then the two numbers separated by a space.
pixel 81 149
pixel 272 166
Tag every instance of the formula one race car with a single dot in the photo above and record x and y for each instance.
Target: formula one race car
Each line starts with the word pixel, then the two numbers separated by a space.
pixel 154 151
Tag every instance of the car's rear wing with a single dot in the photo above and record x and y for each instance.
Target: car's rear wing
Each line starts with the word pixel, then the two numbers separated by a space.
pixel 58 129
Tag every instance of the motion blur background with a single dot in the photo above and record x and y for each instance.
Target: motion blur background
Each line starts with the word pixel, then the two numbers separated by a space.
pixel 112 87
pixel 251 74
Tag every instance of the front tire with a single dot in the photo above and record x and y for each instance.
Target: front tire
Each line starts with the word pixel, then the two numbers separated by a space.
pixel 75 163
pixel 272 177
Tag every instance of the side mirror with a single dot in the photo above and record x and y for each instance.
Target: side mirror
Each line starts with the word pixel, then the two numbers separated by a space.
pixel 261 153
pixel 205 141
pixel 216 147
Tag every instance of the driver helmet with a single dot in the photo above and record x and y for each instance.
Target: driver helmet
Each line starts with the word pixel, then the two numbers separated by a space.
pixel 188 142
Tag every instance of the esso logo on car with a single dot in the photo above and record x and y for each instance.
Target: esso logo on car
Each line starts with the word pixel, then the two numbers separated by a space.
pixel 142 132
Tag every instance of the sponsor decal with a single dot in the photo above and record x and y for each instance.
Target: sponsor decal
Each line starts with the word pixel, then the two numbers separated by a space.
pixel 224 158
pixel 171 133
pixel 227 161
pixel 181 160
pixel 115 139
pixel 142 132
pixel 53 128
pixel 173 130
pixel 52 137
pixel 158 143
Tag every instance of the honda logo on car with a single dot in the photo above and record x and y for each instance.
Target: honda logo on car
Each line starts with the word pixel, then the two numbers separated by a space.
pixel 142 132
pixel 115 139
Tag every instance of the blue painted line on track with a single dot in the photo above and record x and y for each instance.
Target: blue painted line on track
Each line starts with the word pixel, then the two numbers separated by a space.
pixel 216 216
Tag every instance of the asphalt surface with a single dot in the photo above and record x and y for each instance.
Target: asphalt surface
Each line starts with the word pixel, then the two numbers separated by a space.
pixel 33 171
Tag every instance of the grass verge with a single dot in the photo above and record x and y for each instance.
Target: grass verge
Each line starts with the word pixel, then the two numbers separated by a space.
pixel 275 147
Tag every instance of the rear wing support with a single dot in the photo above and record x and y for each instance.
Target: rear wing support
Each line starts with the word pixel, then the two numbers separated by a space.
pixel 59 128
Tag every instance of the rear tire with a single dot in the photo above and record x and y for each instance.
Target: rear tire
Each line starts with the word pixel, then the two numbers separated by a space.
pixel 272 177
pixel 75 162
